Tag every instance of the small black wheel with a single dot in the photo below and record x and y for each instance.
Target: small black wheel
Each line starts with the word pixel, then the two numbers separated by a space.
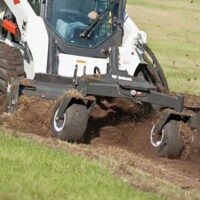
pixel 170 143
pixel 73 124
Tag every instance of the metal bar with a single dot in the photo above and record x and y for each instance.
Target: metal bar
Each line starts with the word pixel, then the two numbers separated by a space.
pixel 52 59
pixel 64 104
pixel 114 59
pixel 194 123
pixel 12 96
pixel 163 120
pixel 52 88
pixel 163 100
pixel 107 89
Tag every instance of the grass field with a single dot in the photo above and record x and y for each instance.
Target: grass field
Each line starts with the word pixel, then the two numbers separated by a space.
pixel 32 171
pixel 173 29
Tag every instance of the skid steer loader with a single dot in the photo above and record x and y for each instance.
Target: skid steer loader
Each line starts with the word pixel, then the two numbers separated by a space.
pixel 76 51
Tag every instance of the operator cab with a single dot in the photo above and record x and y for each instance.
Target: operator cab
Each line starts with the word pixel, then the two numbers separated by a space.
pixel 72 28
pixel 69 19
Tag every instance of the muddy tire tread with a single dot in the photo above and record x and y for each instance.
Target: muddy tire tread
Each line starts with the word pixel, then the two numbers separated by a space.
pixel 11 65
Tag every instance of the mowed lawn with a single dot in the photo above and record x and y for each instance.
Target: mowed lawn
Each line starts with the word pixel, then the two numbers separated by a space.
pixel 173 30
pixel 32 171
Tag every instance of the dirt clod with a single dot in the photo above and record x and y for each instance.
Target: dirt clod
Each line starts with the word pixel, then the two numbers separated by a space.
pixel 186 132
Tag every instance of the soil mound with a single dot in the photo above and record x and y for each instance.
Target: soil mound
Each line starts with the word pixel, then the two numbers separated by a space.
pixel 33 116
pixel 122 123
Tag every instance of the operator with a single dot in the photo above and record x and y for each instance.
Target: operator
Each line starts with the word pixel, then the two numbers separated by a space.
pixel 66 30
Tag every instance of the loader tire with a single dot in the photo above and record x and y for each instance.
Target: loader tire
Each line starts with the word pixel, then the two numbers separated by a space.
pixel 11 65
pixel 155 71
pixel 172 143
pixel 73 125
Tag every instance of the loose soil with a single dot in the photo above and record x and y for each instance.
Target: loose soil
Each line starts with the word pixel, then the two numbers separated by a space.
pixel 33 116
pixel 119 128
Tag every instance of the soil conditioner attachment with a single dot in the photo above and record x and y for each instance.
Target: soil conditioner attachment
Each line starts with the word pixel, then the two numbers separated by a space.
pixel 77 96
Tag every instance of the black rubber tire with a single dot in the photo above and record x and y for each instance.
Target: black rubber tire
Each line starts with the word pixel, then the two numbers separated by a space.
pixel 75 122
pixel 143 73
pixel 154 71
pixel 11 65
pixel 173 143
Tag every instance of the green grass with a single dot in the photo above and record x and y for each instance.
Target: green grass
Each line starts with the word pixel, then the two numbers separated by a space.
pixel 173 28
pixel 32 171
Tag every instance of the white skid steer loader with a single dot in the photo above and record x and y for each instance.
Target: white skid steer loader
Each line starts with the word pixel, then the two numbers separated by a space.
pixel 76 51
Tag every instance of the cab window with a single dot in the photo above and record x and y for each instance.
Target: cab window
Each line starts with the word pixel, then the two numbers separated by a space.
pixel 70 18
pixel 35 4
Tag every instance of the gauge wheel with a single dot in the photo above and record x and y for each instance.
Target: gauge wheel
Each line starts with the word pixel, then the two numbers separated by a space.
pixel 72 125
pixel 170 143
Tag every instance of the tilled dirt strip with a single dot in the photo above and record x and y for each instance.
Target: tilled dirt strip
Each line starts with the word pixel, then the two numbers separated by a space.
pixel 33 116
pixel 118 128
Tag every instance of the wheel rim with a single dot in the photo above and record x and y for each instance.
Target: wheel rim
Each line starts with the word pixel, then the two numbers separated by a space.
pixel 156 140
pixel 59 123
